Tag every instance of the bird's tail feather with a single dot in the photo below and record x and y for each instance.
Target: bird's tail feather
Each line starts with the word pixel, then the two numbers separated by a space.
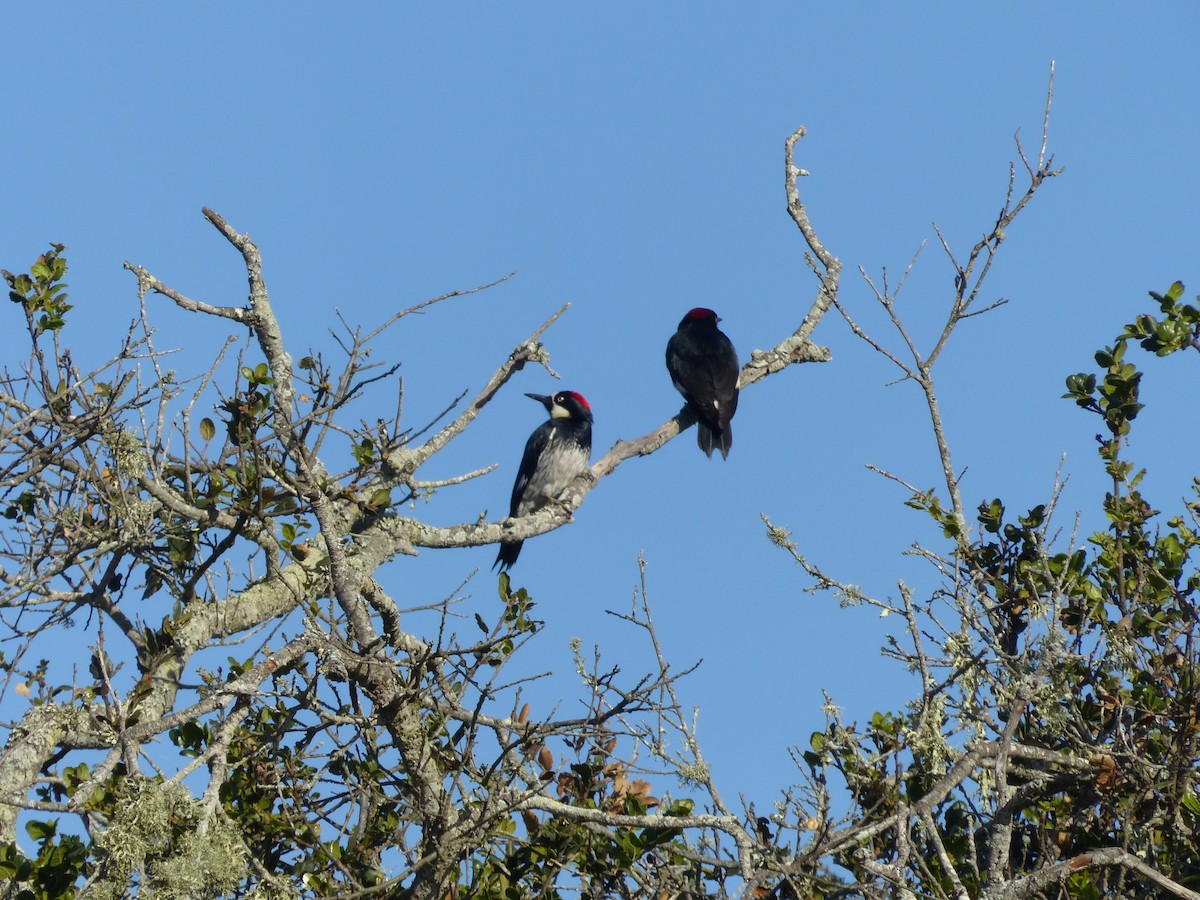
pixel 509 551
pixel 710 439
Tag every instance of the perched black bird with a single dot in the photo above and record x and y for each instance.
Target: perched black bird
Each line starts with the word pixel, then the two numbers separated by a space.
pixel 555 453
pixel 704 368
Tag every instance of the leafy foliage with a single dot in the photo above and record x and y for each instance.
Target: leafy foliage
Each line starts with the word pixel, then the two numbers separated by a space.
pixel 1050 748
pixel 1053 751
pixel 42 293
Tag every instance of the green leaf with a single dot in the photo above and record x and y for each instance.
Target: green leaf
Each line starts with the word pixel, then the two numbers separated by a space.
pixel 40 831
pixel 682 807
pixel 207 429
pixel 990 515
pixel 1190 802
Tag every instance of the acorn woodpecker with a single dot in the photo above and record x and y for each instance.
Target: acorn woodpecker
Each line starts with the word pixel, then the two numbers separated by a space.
pixel 555 453
pixel 704 368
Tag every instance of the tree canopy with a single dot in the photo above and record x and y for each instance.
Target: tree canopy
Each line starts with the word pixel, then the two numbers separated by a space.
pixel 259 720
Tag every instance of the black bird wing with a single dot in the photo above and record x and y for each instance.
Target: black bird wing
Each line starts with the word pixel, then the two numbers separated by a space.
pixel 529 459
pixel 725 370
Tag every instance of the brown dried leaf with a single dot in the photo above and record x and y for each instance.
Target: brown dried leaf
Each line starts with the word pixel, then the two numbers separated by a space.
pixel 1106 771
pixel 566 784
pixel 531 821
pixel 641 790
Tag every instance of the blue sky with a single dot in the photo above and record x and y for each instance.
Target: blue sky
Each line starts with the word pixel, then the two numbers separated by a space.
pixel 629 159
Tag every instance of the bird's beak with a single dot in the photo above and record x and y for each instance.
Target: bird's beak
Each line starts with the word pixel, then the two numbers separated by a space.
pixel 556 411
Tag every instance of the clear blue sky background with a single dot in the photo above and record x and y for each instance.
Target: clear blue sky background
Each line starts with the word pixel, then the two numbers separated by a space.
pixel 629 159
